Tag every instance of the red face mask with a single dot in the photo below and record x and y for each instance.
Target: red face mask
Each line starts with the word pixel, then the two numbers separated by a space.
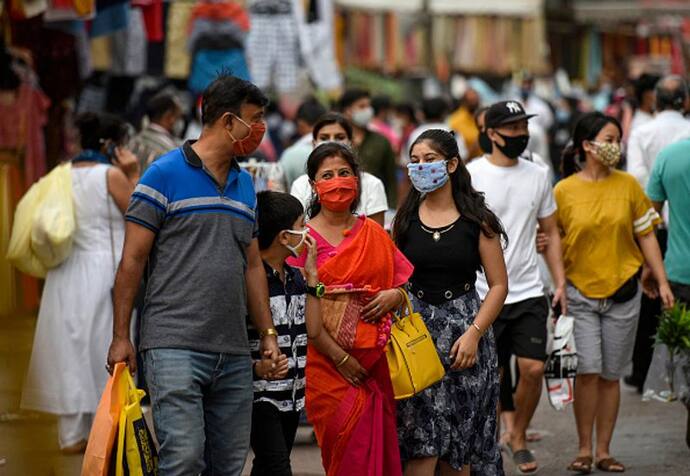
pixel 251 141
pixel 337 194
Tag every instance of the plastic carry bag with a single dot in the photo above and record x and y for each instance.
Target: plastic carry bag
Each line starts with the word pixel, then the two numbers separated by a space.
pixel 136 451
pixel 98 455
pixel 44 224
pixel 561 364
pixel 53 221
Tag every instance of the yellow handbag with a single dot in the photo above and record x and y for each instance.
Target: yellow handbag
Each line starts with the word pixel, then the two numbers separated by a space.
pixel 412 357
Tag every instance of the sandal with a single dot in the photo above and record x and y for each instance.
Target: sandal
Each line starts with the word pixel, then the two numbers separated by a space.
pixel 610 465
pixel 522 457
pixel 582 465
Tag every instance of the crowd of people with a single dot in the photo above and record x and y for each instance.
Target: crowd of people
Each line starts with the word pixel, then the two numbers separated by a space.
pixel 254 307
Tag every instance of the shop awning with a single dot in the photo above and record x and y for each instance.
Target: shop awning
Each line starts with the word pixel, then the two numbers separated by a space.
pixel 454 7
pixel 596 11
pixel 397 5
pixel 488 7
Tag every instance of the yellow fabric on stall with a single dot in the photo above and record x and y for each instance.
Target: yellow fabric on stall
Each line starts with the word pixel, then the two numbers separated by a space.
pixel 101 58
pixel 177 59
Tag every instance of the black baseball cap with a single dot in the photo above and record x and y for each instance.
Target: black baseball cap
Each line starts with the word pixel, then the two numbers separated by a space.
pixel 505 112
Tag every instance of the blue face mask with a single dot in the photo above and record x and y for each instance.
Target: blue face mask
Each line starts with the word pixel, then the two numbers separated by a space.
pixel 428 176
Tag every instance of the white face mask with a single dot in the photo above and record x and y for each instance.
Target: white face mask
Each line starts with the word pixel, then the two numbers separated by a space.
pixel 362 117
pixel 297 250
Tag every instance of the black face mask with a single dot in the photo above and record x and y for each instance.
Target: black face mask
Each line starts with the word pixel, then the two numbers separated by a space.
pixel 485 143
pixel 514 146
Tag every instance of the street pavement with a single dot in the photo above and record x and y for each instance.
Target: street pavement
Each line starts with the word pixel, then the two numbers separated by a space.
pixel 650 437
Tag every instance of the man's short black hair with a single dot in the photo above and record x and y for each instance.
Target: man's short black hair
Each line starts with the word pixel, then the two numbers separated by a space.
pixel 276 211
pixel 350 97
pixel 381 103
pixel 310 111
pixel 434 109
pixel 160 104
pixel 646 82
pixel 227 94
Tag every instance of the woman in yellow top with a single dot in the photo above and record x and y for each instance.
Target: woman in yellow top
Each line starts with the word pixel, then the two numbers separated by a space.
pixel 607 225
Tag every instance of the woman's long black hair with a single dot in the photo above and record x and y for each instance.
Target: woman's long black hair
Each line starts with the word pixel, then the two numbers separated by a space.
pixel 316 158
pixel 586 129
pixel 469 202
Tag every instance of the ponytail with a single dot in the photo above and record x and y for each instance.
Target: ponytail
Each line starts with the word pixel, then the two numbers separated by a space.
pixel 569 160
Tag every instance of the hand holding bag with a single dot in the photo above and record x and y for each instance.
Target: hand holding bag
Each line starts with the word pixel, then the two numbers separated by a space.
pixel 413 361
pixel 98 455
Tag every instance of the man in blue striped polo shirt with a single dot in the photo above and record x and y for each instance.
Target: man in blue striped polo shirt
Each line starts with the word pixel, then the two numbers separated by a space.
pixel 192 218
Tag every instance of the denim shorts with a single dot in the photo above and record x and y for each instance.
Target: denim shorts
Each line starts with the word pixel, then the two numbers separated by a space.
pixel 604 333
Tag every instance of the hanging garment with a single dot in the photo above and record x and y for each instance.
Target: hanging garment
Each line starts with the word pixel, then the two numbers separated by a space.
pixel 110 19
pixel 177 58
pixel 65 11
pixel 22 161
pixel 153 18
pixel 21 128
pixel 207 63
pixel 27 8
pixel 272 52
pixel 316 42
pixel 210 34
pixel 221 11
pixel 128 47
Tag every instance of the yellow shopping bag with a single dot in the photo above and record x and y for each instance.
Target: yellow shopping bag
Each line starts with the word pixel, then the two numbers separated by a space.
pixel 136 453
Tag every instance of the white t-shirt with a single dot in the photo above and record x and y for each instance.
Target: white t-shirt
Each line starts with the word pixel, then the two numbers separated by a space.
pixel 519 196
pixel 372 201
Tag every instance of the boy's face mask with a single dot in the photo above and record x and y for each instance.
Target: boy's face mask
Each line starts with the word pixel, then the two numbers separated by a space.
pixel 297 249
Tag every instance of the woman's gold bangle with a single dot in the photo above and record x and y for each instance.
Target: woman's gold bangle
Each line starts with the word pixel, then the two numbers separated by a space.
pixel 342 361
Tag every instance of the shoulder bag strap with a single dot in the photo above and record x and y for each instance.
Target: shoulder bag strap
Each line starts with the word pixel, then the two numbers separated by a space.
pixel 110 219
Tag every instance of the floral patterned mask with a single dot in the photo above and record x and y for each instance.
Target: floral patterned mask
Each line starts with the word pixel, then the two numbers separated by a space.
pixel 608 153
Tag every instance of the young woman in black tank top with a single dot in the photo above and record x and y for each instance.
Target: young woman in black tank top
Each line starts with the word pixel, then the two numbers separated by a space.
pixel 448 233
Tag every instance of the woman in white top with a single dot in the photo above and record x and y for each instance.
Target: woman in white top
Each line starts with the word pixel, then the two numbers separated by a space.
pixel 334 127
pixel 67 374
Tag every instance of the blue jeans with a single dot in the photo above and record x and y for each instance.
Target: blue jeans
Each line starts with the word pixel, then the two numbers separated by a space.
pixel 202 409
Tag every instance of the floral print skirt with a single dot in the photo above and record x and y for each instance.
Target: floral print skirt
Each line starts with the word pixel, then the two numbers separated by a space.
pixel 455 420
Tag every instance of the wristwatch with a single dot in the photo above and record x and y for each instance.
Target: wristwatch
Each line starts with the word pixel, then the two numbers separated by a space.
pixel 317 291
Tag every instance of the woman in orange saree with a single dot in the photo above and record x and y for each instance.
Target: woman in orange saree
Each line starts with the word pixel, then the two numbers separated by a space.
pixel 348 389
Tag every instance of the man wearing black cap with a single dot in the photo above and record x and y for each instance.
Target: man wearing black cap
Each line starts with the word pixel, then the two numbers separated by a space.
pixel 519 192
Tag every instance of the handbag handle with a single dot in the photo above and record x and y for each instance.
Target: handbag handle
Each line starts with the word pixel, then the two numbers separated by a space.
pixel 406 306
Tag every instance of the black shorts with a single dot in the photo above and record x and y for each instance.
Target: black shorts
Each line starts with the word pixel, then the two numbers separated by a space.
pixel 520 329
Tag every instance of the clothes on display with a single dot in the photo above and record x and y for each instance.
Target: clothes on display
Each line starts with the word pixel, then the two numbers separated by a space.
pixel 381 40
pixel 218 32
pixel 317 42
pixel 177 57
pixel 23 113
pixel 111 16
pixel 273 45
pixel 128 47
